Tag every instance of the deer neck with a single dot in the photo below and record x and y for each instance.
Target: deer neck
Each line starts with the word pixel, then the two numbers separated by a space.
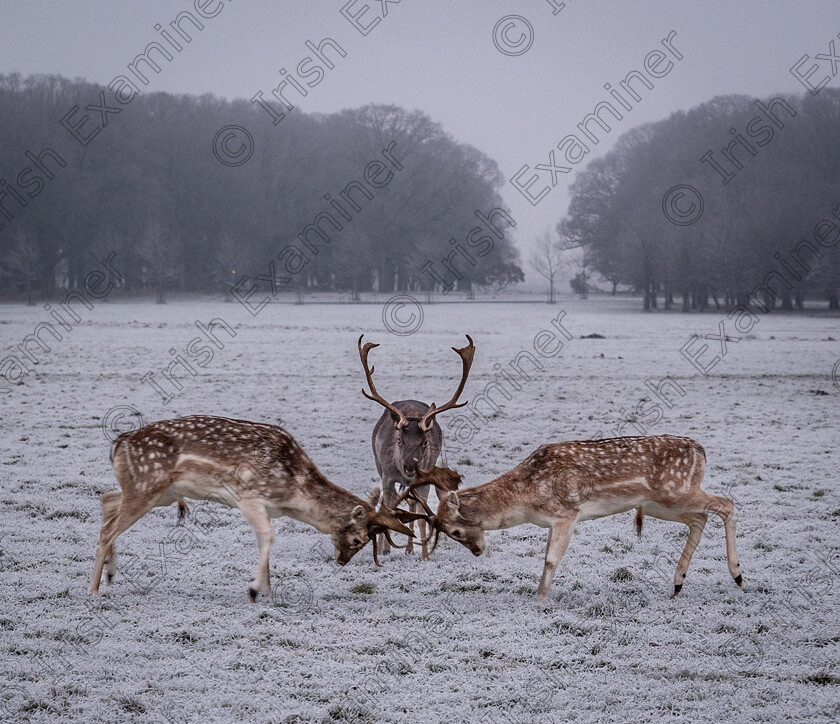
pixel 325 505
pixel 497 504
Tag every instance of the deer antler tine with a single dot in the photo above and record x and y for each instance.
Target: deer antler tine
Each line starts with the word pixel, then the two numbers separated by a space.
pixel 388 537
pixel 375 557
pixel 437 537
pixel 423 503
pixel 405 493
pixel 398 416
pixel 466 354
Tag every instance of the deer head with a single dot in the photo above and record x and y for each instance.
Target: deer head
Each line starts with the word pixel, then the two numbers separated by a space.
pixel 364 524
pixel 416 439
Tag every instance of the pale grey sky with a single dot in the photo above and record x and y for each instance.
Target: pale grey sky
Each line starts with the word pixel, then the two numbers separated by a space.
pixel 440 57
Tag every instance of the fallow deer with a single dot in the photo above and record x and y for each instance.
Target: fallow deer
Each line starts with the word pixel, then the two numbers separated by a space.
pixel 255 467
pixel 562 483
pixel 406 437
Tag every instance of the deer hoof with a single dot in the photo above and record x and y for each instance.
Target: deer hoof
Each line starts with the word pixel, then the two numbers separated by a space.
pixel 677 588
pixel 739 580
pixel 252 594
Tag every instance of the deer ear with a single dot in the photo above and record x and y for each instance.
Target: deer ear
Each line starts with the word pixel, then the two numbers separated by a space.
pixel 358 513
pixel 453 501
pixel 373 497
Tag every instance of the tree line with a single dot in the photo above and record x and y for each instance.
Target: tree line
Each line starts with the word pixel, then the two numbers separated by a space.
pixel 149 185
pixel 735 199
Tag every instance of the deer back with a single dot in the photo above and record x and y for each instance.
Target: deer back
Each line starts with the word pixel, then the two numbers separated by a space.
pixel 216 457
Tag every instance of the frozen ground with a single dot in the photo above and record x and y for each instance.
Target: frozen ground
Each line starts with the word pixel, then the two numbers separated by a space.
pixel 458 638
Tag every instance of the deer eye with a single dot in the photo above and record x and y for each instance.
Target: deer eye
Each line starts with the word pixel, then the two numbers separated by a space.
pixel 456 533
pixel 425 443
pixel 357 543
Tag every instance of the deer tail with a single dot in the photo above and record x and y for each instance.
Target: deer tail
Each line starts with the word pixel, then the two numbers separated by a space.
pixel 115 444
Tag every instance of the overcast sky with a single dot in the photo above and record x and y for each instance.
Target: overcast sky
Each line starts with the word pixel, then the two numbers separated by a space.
pixel 440 57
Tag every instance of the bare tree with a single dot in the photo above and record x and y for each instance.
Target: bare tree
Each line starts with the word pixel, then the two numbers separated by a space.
pixel 161 252
pixel 581 283
pixel 546 260
pixel 227 262
pixel 24 261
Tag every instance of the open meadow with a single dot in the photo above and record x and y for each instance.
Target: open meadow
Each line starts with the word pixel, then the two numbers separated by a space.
pixel 174 638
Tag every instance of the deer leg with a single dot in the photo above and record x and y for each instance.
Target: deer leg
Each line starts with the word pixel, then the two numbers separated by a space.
pixel 423 492
pixel 724 508
pixel 111 504
pixel 695 522
pixel 131 510
pixel 424 543
pixel 258 517
pixel 389 499
pixel 183 510
pixel 558 540
pixel 110 509
pixel 409 548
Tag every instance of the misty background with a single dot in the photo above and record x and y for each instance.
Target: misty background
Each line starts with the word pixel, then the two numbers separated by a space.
pixel 464 120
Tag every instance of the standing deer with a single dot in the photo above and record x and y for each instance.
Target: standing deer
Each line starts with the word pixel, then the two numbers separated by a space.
pixel 563 483
pixel 406 437
pixel 257 468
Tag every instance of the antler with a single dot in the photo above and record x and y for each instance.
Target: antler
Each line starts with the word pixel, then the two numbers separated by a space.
pixel 385 520
pixel 398 416
pixel 466 354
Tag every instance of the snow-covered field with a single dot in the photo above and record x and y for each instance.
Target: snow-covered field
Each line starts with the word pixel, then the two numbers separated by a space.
pixel 458 638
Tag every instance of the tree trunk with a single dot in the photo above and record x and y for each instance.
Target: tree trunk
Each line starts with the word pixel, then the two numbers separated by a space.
pixel 787 303
pixel 160 298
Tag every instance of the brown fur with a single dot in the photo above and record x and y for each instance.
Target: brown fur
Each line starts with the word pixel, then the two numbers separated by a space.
pixel 256 467
pixel 561 483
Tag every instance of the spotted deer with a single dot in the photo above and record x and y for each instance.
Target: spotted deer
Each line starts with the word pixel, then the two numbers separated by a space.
pixel 563 483
pixel 408 436
pixel 255 467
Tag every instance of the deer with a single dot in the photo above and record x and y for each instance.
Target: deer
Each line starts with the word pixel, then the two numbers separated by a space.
pixel 408 436
pixel 562 483
pixel 256 467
